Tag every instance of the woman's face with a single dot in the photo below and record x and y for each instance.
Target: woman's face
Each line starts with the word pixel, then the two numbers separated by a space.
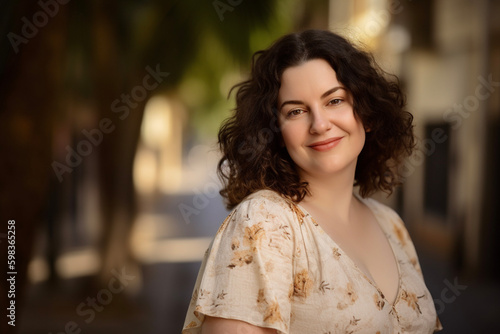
pixel 318 125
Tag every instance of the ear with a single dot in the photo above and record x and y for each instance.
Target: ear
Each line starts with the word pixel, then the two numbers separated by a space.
pixel 367 129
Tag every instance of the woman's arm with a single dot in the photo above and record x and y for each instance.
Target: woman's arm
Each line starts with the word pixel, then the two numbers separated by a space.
pixel 213 325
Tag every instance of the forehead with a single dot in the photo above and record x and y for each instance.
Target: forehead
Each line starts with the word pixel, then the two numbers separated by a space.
pixel 314 75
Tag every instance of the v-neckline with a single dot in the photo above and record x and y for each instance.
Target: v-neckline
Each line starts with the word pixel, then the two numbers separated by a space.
pixel 353 263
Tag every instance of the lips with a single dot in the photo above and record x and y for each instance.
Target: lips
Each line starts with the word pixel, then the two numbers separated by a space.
pixel 325 145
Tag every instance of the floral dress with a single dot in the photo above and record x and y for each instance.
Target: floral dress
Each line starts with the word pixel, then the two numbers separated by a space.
pixel 271 265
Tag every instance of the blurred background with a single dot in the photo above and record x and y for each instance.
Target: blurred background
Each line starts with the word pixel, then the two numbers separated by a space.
pixel 109 112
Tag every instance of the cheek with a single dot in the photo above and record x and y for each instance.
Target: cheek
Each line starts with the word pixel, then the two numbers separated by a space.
pixel 355 129
pixel 361 135
pixel 287 139
pixel 358 129
pixel 355 125
pixel 289 134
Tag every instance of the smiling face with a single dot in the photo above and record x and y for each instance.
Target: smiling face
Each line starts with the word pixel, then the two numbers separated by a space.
pixel 318 125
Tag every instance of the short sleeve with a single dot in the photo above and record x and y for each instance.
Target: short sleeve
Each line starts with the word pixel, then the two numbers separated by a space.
pixel 247 271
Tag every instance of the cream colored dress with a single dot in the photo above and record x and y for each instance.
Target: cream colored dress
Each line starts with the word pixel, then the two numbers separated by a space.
pixel 272 266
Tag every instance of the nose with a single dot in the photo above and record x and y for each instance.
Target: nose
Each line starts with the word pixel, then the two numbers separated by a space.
pixel 320 123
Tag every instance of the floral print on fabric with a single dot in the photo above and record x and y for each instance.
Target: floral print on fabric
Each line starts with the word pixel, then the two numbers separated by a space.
pixel 272 266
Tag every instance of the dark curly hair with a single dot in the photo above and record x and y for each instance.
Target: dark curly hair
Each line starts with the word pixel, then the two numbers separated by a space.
pixel 250 140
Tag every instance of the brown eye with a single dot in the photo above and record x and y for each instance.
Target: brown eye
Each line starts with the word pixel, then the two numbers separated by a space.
pixel 335 102
pixel 295 112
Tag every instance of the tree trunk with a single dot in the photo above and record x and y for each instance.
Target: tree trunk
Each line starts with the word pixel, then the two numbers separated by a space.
pixel 29 89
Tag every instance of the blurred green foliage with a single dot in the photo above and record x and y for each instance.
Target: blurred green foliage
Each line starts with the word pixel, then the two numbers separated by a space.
pixel 204 54
pixel 206 46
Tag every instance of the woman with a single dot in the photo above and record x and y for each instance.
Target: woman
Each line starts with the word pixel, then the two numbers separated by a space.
pixel 300 252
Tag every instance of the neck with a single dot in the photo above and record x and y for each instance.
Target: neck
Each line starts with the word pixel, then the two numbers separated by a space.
pixel 332 193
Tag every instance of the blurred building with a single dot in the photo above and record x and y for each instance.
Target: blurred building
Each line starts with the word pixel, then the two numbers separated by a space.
pixel 446 54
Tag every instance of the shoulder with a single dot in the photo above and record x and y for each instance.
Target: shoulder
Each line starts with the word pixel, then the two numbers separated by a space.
pixel 265 216
pixel 246 272
pixel 384 214
pixel 390 220
pixel 266 204
pixel 381 209
pixel 266 196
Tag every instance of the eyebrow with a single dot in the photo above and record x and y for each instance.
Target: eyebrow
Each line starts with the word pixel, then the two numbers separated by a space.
pixel 325 94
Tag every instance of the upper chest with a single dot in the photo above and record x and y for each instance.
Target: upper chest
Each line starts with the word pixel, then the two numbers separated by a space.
pixel 364 245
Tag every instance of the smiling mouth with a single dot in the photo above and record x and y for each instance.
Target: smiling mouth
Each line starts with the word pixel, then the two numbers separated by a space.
pixel 326 145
